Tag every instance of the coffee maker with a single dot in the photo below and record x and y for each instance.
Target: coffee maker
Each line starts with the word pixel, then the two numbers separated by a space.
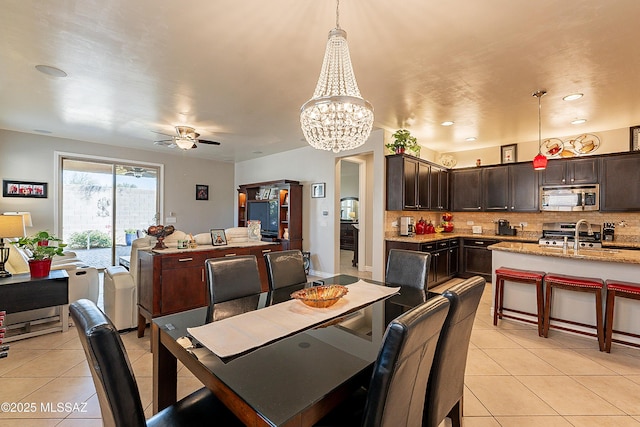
pixel 608 231
pixel 503 229
pixel 406 226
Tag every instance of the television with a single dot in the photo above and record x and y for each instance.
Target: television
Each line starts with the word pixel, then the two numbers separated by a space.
pixel 265 211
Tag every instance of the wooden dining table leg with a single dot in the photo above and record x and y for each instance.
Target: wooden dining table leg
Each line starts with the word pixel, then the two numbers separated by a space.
pixel 165 374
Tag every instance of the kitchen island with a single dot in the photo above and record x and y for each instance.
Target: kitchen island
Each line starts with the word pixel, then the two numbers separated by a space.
pixel 603 263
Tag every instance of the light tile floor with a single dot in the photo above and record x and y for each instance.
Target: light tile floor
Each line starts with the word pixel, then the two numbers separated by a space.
pixel 514 379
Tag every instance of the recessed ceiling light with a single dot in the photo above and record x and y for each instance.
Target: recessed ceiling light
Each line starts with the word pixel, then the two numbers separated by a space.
pixel 578 121
pixel 572 97
pixel 51 71
pixel 471 138
pixel 447 123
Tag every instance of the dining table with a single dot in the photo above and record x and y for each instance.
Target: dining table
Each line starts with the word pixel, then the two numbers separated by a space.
pixel 293 380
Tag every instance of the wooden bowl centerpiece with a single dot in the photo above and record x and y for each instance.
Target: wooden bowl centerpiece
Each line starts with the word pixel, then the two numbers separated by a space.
pixel 320 296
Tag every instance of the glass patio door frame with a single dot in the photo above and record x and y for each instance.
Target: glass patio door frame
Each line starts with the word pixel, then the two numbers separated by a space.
pixel 59 156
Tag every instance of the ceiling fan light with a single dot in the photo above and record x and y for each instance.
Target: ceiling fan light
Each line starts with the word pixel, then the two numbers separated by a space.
pixel 184 143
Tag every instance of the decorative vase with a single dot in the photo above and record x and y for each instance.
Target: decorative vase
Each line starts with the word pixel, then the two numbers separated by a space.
pixel 399 150
pixel 129 238
pixel 40 267
pixel 285 234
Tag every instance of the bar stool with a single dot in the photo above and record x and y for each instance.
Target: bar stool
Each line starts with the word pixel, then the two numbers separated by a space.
pixel 578 284
pixel 520 276
pixel 616 288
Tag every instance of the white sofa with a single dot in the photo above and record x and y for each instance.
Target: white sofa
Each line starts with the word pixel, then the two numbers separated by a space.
pixel 83 282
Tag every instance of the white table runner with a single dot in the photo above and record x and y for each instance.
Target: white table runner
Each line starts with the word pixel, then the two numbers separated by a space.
pixel 240 333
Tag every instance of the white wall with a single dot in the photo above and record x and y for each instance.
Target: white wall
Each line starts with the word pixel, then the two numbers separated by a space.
pixel 28 157
pixel 611 141
pixel 320 233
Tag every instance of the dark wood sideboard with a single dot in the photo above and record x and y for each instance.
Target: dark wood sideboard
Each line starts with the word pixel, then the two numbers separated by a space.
pixel 176 281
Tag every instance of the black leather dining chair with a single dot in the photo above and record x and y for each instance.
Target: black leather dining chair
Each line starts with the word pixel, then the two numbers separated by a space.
pixel 396 392
pixel 116 385
pixel 408 268
pixel 285 268
pixel 446 383
pixel 230 278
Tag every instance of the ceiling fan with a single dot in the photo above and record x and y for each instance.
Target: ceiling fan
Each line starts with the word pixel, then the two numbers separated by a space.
pixel 186 139
pixel 135 171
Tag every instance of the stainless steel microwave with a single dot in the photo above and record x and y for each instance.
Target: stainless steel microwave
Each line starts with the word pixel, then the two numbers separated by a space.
pixel 570 198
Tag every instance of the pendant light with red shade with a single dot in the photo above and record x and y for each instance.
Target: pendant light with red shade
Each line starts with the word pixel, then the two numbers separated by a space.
pixel 539 161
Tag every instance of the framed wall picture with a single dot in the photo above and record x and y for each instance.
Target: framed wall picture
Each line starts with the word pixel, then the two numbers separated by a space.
pixel 634 138
pixel 218 238
pixel 12 188
pixel 509 153
pixel 202 192
pixel 317 190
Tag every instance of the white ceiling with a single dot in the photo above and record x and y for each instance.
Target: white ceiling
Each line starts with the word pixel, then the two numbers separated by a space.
pixel 239 71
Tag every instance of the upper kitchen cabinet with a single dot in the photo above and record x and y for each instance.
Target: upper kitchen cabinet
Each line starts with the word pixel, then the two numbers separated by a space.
pixel 414 184
pixel 466 187
pixel 438 189
pixel 512 188
pixel 495 183
pixel 523 188
pixel 620 176
pixel 571 171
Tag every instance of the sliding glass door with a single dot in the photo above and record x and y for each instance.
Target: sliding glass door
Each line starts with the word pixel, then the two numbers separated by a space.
pixel 104 204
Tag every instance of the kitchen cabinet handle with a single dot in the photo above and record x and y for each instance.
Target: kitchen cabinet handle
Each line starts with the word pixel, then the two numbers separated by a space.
pixel 230 254
pixel 479 243
pixel 202 274
pixel 185 259
pixel 513 207
pixel 264 251
pixel 479 207
pixel 506 207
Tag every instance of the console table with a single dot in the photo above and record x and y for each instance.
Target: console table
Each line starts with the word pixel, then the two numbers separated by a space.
pixel 174 280
pixel 21 292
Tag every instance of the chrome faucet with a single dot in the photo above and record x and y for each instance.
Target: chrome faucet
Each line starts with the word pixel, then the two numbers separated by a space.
pixel 576 236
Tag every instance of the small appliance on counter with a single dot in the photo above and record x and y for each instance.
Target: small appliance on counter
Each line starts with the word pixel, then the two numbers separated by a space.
pixel 608 230
pixel 406 226
pixel 503 228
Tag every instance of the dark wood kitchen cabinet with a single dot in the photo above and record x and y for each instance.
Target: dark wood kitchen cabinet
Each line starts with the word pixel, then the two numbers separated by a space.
pixel 620 177
pixel 509 188
pixel 495 183
pixel 438 189
pixel 476 258
pixel 407 183
pixel 571 171
pixel 466 188
pixel 415 184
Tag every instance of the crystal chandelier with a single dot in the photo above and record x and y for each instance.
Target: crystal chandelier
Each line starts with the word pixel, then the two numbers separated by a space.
pixel 336 118
pixel 539 161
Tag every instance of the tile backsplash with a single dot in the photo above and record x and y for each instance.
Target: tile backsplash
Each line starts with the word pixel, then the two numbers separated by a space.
pixel 627 223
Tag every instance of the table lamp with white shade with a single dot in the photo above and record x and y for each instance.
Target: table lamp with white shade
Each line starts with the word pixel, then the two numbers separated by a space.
pixel 11 226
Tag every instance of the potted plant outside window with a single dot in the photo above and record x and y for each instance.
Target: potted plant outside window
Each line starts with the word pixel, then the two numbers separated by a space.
pixel 130 235
pixel 402 140
pixel 40 251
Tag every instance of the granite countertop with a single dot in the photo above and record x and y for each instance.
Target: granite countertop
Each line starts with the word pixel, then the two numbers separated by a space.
pixel 527 236
pixel 605 255
pixel 250 243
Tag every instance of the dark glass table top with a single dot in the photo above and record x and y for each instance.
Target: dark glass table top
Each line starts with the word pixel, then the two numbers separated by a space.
pixel 279 380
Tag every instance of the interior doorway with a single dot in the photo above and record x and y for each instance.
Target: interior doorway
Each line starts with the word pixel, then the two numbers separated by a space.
pixel 104 205
pixel 352 216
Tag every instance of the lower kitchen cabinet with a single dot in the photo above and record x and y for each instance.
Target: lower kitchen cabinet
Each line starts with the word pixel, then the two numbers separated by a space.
pixel 476 258
pixel 444 257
